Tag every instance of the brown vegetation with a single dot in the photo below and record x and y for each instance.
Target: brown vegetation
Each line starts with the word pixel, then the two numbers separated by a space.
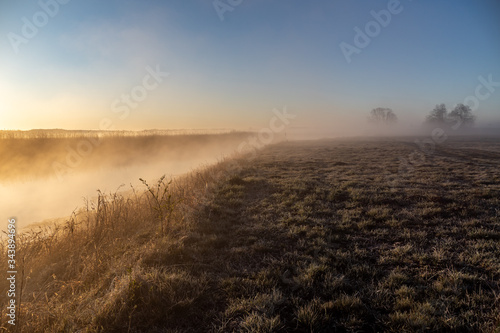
pixel 309 237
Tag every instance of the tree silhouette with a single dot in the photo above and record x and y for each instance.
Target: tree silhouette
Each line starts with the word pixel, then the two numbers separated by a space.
pixel 383 116
pixel 439 115
pixel 462 114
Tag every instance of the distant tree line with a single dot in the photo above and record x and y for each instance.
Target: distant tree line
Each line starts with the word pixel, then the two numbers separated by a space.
pixel 67 134
pixel 461 114
pixel 383 116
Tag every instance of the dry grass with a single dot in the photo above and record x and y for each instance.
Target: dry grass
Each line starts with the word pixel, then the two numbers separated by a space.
pixel 110 260
pixel 308 237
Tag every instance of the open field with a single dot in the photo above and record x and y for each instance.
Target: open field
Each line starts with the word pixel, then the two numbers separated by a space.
pixel 311 236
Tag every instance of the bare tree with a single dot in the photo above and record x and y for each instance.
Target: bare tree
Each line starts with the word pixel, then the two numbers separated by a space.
pixel 439 115
pixel 383 116
pixel 462 114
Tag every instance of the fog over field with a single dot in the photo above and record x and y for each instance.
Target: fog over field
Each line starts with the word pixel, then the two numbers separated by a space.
pixel 249 166
pixel 55 175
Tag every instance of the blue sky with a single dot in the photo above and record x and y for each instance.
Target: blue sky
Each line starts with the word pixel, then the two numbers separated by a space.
pixel 232 73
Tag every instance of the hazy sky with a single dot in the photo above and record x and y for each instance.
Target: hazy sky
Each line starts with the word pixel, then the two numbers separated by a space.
pixel 70 65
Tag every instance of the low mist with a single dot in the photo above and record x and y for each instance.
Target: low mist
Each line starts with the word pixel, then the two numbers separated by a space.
pixel 47 178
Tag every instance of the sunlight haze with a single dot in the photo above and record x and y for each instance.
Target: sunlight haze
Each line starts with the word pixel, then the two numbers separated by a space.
pixel 231 73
